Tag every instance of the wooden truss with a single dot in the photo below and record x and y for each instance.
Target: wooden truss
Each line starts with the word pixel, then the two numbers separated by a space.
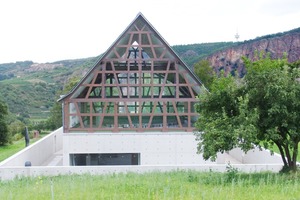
pixel 139 84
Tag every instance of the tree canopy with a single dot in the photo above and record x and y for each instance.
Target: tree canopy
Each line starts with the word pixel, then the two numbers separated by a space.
pixel 262 109
pixel 4 137
pixel 205 72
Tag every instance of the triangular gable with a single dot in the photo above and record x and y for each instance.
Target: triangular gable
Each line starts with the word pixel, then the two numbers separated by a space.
pixel 161 49
pixel 139 83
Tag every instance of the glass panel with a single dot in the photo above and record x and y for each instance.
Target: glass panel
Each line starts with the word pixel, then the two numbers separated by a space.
pixel 181 79
pixel 135 121
pixel 97 107
pixel 111 54
pixel 157 122
pixel 133 107
pixel 108 122
pixel 171 77
pixel 134 66
pixel 96 92
pixel 120 66
pixel 147 53
pixel 146 92
pixel 159 51
pixel 121 51
pixel 145 121
pixel 160 66
pixel 169 91
pixel 110 107
pixel 147 107
pixel 123 122
pixel 168 55
pixel 158 78
pixel 181 107
pixel 145 39
pixel 72 108
pixel 159 107
pixel 124 40
pixel 121 108
pixel 86 121
pixel 84 107
pixel 74 121
pixel 197 89
pixel 184 92
pixel 170 107
pixel 155 40
pixel 172 121
pixel 96 121
pixel 193 108
pixel 191 79
pixel 146 78
pixel 184 120
pixel 111 91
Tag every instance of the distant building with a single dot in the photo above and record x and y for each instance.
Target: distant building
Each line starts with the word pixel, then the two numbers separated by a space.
pixel 134 107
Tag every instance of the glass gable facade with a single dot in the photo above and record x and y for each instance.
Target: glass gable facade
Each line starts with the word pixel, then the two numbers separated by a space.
pixel 139 84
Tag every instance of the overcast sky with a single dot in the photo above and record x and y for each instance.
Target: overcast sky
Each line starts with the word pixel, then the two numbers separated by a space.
pixel 52 30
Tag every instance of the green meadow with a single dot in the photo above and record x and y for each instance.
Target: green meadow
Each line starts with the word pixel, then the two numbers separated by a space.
pixel 156 185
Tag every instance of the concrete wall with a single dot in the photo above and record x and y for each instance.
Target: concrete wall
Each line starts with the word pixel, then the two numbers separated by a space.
pixel 38 152
pixel 255 156
pixel 8 173
pixel 155 148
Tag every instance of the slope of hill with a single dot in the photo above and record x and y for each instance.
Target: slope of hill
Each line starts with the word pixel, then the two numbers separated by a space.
pixel 30 90
pixel 192 53
pixel 277 45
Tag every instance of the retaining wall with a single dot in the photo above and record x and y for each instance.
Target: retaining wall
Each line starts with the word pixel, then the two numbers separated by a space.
pixel 255 156
pixel 38 152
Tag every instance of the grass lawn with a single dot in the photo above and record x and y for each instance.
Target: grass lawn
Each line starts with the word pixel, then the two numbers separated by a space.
pixel 10 149
pixel 155 185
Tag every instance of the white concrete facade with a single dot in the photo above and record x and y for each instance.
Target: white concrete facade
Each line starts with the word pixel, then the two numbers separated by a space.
pixel 155 148
pixel 159 152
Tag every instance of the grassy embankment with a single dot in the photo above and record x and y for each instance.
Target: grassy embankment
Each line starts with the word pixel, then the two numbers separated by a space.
pixel 10 149
pixel 171 185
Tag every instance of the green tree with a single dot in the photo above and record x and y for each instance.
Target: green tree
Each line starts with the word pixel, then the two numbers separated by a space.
pixel 205 72
pixel 55 119
pixel 262 109
pixel 4 136
pixel 16 127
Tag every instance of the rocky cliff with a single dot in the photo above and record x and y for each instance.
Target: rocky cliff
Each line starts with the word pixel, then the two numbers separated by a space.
pixel 278 44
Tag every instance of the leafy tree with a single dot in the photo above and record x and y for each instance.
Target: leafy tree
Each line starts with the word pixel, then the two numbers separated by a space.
pixel 16 127
pixel 4 136
pixel 262 109
pixel 205 72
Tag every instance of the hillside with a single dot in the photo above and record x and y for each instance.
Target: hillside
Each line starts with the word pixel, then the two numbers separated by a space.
pixel 277 45
pixel 30 89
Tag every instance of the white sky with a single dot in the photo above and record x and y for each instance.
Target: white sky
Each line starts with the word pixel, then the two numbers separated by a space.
pixel 53 30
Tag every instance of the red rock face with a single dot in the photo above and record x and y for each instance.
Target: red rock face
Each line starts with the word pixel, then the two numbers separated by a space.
pixel 230 60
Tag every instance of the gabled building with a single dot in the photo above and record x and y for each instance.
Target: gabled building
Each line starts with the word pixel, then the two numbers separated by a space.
pixel 134 107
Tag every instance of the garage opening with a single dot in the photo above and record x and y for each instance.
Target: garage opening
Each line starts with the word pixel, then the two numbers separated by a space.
pixel 105 159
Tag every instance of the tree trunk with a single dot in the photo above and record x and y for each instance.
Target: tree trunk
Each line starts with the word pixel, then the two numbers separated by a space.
pixel 295 154
pixel 288 155
pixel 282 154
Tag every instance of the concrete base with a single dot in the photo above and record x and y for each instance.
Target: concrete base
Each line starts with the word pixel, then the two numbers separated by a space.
pixel 159 151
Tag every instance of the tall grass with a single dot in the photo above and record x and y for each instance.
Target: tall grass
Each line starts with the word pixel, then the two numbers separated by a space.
pixel 155 185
